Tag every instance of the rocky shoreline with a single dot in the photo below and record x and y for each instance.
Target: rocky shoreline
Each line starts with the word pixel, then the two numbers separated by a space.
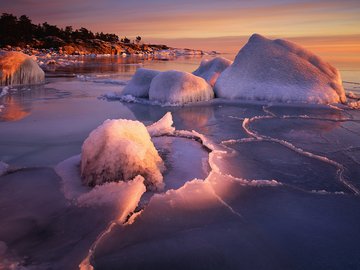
pixel 95 47
pixel 71 53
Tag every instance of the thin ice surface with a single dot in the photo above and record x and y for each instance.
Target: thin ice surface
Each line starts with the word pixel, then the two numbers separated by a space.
pixel 204 225
pixel 223 222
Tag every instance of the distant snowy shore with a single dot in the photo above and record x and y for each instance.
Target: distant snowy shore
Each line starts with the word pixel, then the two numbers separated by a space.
pixel 96 47
pixel 69 54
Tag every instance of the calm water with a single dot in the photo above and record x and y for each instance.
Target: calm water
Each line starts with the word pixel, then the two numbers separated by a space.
pixel 306 215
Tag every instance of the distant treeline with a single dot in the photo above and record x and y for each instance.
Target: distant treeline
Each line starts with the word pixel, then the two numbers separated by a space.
pixel 21 31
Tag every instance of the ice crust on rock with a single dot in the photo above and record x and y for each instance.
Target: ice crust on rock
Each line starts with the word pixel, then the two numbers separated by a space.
pixel 139 84
pixel 177 87
pixel 119 150
pixel 210 70
pixel 17 68
pixel 162 127
pixel 279 70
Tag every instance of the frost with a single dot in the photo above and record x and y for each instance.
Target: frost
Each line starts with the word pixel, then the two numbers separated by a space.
pixel 176 87
pixel 17 68
pixel 162 127
pixel 119 150
pixel 278 70
pixel 139 84
pixel 210 70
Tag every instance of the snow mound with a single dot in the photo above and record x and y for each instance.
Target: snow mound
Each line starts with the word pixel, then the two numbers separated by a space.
pixel 162 127
pixel 139 84
pixel 119 150
pixel 177 87
pixel 17 68
pixel 210 70
pixel 279 70
pixel 3 168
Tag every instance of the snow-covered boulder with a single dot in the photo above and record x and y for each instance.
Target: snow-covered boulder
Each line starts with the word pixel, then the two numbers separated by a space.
pixel 279 70
pixel 177 87
pixel 139 84
pixel 210 70
pixel 17 68
pixel 119 150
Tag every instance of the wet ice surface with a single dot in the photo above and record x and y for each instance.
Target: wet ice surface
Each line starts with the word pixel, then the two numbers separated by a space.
pixel 307 218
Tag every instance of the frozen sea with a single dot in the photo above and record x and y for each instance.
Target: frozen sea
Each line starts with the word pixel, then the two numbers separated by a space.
pixel 247 185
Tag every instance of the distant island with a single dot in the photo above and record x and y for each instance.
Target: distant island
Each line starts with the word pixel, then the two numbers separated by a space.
pixel 21 34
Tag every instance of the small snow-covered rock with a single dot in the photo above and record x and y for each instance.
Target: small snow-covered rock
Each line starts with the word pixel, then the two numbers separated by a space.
pixel 279 70
pixel 17 68
pixel 119 150
pixel 177 87
pixel 210 70
pixel 139 84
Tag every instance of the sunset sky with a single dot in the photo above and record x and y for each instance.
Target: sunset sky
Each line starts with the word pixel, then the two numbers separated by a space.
pixel 209 24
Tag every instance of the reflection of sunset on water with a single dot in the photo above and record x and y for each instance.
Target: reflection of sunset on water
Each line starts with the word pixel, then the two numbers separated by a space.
pixel 13 111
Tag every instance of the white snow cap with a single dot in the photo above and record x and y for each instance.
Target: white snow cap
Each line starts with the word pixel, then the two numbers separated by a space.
pixel 177 87
pixel 139 84
pixel 119 150
pixel 17 68
pixel 279 70
pixel 210 70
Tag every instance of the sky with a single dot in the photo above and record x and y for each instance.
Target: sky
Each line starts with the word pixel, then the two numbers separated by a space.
pixel 222 25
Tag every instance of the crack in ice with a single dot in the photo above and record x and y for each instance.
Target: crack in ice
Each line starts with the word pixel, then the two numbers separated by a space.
pixel 259 137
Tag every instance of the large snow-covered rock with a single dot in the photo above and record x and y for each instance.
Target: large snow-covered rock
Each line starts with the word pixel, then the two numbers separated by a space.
pixel 119 150
pixel 210 70
pixel 177 87
pixel 17 68
pixel 279 70
pixel 139 84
